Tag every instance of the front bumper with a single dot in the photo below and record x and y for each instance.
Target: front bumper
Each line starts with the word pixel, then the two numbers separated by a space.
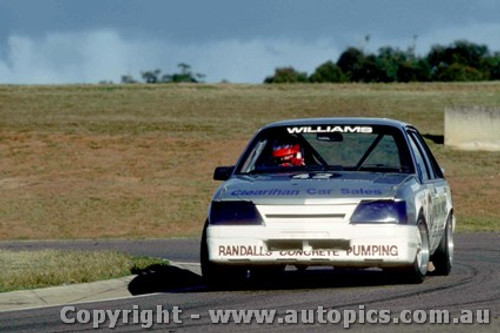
pixel 346 245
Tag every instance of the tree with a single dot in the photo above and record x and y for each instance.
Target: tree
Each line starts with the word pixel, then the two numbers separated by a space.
pixel 286 75
pixel 370 71
pixel 469 54
pixel 154 76
pixel 128 79
pixel 151 76
pixel 351 63
pixel 186 75
pixel 328 72
pixel 414 70
pixel 459 72
pixel 395 65
pixel 460 61
pixel 491 64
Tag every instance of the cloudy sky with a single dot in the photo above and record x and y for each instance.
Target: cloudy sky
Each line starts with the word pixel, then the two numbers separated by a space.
pixel 66 41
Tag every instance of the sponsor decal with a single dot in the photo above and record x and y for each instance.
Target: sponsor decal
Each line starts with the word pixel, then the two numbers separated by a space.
pixel 309 191
pixel 311 253
pixel 243 251
pixel 315 191
pixel 329 129
pixel 262 193
pixel 372 250
pixel 356 191
pixel 369 250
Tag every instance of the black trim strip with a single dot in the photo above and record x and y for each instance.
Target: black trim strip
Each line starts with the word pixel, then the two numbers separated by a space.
pixel 306 216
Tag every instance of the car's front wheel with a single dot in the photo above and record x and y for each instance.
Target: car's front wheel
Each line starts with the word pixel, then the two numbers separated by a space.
pixel 216 275
pixel 443 257
pixel 418 270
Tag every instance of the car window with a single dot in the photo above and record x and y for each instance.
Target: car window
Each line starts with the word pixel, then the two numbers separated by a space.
pixel 386 152
pixel 345 147
pixel 430 159
pixel 350 151
pixel 422 168
pixel 428 165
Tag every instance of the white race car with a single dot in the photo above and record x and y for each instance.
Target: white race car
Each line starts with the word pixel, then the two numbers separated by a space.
pixel 341 192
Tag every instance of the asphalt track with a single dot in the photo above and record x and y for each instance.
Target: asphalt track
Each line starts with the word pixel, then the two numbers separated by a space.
pixel 473 285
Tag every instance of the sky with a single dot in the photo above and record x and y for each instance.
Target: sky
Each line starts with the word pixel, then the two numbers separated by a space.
pixel 89 41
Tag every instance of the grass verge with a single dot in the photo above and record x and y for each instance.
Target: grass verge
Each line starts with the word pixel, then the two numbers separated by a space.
pixel 45 268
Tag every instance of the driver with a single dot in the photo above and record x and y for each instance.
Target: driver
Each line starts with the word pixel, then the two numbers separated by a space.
pixel 288 154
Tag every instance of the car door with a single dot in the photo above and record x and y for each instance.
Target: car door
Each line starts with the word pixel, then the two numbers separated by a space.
pixel 441 185
pixel 437 187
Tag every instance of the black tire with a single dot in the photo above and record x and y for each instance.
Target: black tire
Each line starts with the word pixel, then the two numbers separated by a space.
pixel 443 257
pixel 216 275
pixel 418 270
pixel 204 262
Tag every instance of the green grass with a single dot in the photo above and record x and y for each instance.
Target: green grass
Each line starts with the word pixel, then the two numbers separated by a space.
pixel 44 268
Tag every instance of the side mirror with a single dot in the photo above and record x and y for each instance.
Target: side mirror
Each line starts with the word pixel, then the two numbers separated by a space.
pixel 223 172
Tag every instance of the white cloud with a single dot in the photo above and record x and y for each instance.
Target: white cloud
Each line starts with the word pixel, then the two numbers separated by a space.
pixel 92 56
pixel 89 57
pixel 68 58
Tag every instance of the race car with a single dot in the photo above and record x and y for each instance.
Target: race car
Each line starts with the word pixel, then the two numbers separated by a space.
pixel 340 192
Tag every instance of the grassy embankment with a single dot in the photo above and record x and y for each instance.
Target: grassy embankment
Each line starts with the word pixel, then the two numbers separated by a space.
pixel 116 161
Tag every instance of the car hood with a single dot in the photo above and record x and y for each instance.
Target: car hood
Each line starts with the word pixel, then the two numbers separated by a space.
pixel 296 188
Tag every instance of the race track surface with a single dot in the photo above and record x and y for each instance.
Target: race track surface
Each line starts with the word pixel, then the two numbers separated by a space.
pixel 327 298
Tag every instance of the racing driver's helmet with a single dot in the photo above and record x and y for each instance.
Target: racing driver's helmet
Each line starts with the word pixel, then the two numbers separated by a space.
pixel 288 154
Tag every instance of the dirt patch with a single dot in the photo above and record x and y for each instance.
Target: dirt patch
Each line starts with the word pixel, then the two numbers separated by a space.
pixel 74 186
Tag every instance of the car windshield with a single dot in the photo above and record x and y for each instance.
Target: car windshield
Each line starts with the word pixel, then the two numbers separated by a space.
pixel 327 148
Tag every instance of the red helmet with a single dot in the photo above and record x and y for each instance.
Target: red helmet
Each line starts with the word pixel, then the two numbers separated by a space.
pixel 288 155
pixel 285 150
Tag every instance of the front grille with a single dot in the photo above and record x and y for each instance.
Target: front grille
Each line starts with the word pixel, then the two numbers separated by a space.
pixel 310 213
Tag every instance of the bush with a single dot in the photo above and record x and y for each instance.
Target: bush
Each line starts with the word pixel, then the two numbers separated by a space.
pixel 286 75
pixel 328 72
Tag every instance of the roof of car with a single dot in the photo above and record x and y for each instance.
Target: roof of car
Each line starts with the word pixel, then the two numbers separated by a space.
pixel 339 121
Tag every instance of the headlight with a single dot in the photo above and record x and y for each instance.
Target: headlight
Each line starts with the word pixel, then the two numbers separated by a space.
pixel 234 213
pixel 382 211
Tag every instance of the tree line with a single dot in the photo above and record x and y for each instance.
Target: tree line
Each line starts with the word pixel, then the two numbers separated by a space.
pixel 460 61
pixel 155 76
